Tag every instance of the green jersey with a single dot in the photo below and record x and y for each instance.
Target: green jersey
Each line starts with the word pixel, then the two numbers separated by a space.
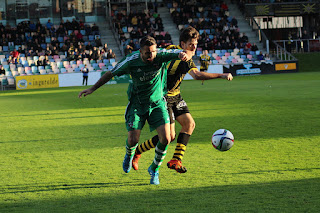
pixel 148 79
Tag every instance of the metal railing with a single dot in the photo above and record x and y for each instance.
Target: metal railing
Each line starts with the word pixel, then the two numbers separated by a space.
pixel 300 45
pixel 261 35
pixel 282 54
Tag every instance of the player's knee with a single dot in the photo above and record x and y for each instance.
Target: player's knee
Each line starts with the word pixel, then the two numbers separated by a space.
pixel 165 140
pixel 132 140
pixel 190 126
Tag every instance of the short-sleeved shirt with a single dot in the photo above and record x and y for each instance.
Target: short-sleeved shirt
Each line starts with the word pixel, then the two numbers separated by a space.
pixel 177 69
pixel 147 78
pixel 204 62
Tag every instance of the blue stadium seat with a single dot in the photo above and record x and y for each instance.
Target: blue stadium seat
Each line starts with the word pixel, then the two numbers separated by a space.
pixel 48 39
pixel 60 39
pixel 5 48
pixel 91 37
pixel 83 32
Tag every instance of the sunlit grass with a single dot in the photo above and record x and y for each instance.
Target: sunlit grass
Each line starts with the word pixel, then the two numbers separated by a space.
pixel 59 153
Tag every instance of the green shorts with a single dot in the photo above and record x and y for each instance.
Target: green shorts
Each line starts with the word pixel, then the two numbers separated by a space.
pixel 156 114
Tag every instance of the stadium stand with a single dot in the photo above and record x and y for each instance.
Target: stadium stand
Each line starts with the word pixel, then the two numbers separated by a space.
pixel 219 33
pixel 30 49
pixel 130 28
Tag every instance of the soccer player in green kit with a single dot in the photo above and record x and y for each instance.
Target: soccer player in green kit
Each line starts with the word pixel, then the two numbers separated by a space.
pixel 177 107
pixel 146 101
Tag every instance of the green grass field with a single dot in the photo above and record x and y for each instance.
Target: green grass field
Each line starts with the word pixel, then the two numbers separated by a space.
pixel 59 153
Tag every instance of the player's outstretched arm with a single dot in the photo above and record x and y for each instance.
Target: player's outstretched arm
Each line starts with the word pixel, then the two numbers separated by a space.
pixel 104 79
pixel 197 75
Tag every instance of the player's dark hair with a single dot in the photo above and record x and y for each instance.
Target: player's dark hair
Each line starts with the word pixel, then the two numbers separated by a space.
pixel 147 41
pixel 188 33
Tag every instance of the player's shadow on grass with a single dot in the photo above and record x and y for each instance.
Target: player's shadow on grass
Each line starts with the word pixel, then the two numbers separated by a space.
pixel 283 196
pixel 43 188
pixel 52 140
pixel 60 113
pixel 85 116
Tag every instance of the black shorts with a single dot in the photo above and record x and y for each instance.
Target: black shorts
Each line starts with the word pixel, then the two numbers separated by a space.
pixel 203 70
pixel 176 107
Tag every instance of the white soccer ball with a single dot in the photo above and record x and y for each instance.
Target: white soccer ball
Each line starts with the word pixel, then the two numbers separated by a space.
pixel 222 140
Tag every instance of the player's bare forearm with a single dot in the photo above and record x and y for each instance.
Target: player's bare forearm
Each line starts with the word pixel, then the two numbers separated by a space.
pixel 197 75
pixel 104 79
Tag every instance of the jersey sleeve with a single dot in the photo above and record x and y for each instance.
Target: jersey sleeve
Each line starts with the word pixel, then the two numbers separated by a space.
pixel 168 55
pixel 191 65
pixel 121 68
pixel 187 66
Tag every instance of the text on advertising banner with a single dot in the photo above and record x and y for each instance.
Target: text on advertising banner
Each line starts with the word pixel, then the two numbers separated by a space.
pixel 37 81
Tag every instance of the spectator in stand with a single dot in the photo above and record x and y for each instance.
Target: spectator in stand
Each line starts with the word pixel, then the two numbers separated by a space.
pixel 15 54
pixel 260 56
pixel 134 20
pixel 167 36
pixel 49 25
pixel 98 42
pixel 95 29
pixel 105 47
pixel 136 46
pixel 254 47
pixel 244 38
pixel 75 25
pixel 218 46
pixel 32 27
pixel 111 54
pixel 2 71
pixel 305 35
pixel 89 46
pixel 131 43
pixel 43 61
pixel 267 57
pixel 79 37
pixel 248 45
pixel 234 21
pixel 246 50
pixel 128 50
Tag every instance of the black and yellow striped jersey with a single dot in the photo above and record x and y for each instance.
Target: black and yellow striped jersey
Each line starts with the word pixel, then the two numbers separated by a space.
pixel 204 62
pixel 177 69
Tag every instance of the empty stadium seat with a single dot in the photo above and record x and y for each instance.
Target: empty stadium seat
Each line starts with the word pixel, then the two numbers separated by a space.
pixel 234 60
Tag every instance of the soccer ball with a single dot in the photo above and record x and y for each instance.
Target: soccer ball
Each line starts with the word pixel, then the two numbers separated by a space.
pixel 222 140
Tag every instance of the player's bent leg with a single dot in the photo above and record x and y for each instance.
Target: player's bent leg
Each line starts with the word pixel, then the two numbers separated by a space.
pixel 172 132
pixel 187 123
pixel 141 148
pixel 131 144
pixel 188 126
